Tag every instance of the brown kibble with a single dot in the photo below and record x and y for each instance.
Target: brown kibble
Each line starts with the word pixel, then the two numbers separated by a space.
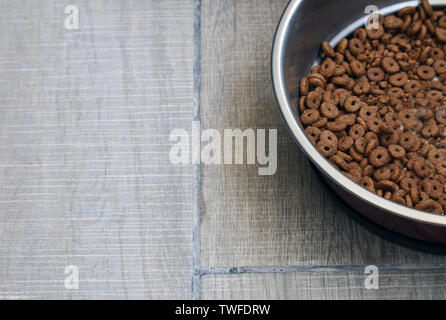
pixel 406 11
pixel 367 183
pixel 326 147
pixel 328 68
pixel 441 34
pixel 421 169
pixel 398 79
pixel 397 151
pixel 304 86
pixel 342 46
pixel 426 72
pixel 379 157
pixel 429 206
pixel 314 100
pixel 356 131
pixel 327 48
pixel 387 185
pixel 375 107
pixel 355 46
pixel 309 116
pixel 352 104
pixel 390 65
pixel 345 143
pixel 329 110
pixel 382 174
pixel 376 74
pixel 375 33
pixel 357 67
pixel 427 7
pixel 412 87
pixel 313 134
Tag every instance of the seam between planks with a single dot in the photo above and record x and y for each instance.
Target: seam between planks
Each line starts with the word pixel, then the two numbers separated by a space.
pixel 196 278
pixel 321 268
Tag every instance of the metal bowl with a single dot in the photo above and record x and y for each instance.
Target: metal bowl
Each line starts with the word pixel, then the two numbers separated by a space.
pixel 302 28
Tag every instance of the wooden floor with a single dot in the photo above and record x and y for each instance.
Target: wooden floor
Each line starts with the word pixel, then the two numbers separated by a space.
pixel 86 180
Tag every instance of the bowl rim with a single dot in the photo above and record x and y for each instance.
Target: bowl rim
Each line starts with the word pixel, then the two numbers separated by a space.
pixel 277 56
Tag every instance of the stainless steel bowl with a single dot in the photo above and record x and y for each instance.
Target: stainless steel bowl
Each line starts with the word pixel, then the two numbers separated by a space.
pixel 302 28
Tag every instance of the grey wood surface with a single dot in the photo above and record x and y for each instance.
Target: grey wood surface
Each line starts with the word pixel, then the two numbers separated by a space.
pixel 424 284
pixel 286 220
pixel 85 176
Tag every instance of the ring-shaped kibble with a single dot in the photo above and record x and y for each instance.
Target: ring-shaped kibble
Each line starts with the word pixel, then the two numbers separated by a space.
pixel 356 131
pixel 367 183
pixel 352 104
pixel 392 22
pixel 379 157
pixel 408 183
pixel 397 151
pixel 371 145
pixel 421 169
pixel 309 116
pixel 407 115
pixel 440 66
pixel 357 67
pixel 360 144
pixel 440 167
pixel 390 65
pixel 429 205
pixel 382 174
pixel 408 140
pixel 376 74
pixel 313 133
pixel 394 171
pixel 426 72
pixel 425 186
pixel 389 138
pixel 329 110
pixel 375 33
pixel 387 185
pixel 313 100
pixel 328 49
pixel 436 155
pixel 398 79
pixel 437 54
pixel 441 34
pixel 329 136
pixel 368 112
pixel 437 189
pixel 430 130
pixel 345 143
pixel 395 92
pixel 435 95
pixel 374 124
pixel 326 147
pixel 361 88
pixel 440 115
pixel 412 87
pixel 442 22
pixel 328 68
pixel 356 46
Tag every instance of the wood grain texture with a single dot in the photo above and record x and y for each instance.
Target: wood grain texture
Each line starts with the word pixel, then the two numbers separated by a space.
pixel 286 219
pixel 85 176
pixel 333 285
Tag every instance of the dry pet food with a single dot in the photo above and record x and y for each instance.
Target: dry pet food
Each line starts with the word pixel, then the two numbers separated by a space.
pixel 375 107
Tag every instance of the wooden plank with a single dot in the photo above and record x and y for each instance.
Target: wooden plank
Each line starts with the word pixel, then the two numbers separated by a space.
pixel 333 285
pixel 85 176
pixel 285 219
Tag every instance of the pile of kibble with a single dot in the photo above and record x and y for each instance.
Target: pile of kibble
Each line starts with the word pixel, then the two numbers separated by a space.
pixel 375 107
